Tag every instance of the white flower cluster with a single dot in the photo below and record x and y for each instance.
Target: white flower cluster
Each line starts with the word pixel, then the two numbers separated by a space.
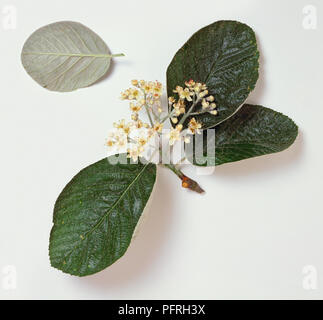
pixel 135 134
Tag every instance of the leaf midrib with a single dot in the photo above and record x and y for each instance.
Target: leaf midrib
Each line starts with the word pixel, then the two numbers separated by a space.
pixel 107 213
pixel 117 201
pixel 254 144
pixel 69 54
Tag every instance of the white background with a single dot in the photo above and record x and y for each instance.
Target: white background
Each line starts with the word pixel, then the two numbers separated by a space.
pixel 260 221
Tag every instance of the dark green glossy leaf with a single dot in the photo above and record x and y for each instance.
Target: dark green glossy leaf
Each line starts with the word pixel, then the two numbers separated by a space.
pixel 96 214
pixel 223 55
pixel 253 131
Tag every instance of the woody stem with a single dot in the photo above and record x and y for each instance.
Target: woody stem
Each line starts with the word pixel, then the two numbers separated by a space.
pixel 178 172
pixel 187 182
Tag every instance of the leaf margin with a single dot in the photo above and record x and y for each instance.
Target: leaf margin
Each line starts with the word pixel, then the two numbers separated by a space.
pixel 293 127
pixel 204 117
pixel 55 225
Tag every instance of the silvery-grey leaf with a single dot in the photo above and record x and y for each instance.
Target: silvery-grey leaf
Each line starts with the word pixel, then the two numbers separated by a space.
pixel 65 56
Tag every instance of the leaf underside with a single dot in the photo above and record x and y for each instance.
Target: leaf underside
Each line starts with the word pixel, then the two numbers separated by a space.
pixel 224 56
pixel 65 56
pixel 96 214
pixel 253 131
